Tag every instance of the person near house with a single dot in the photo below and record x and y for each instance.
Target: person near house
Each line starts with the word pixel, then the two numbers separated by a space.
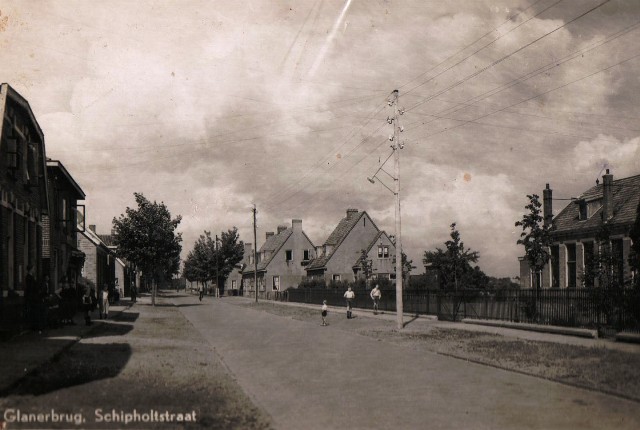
pixel 201 291
pixel 376 295
pixel 349 295
pixel 104 300
pixel 324 312
pixel 34 301
pixel 134 292
pixel 88 304
pixel 68 304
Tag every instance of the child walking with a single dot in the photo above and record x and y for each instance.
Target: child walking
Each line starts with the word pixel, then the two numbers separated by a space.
pixel 324 312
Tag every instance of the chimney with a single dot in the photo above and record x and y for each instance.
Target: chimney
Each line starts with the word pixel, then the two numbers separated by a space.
pixel 296 225
pixel 248 249
pixel 607 196
pixel 281 228
pixel 351 213
pixel 269 234
pixel 547 205
pixel 92 227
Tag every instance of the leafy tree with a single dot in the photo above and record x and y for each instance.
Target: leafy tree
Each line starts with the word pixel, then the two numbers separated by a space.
pixel 147 237
pixel 228 254
pixel 602 277
pixel 407 267
pixel 209 262
pixel 535 237
pixel 366 266
pixel 454 262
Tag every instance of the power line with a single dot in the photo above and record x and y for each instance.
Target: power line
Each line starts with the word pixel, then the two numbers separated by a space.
pixel 500 60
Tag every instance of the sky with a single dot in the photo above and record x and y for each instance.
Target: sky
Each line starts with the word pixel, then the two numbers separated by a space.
pixel 215 106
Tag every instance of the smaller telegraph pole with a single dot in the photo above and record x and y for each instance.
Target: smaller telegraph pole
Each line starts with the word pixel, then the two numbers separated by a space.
pixel 255 252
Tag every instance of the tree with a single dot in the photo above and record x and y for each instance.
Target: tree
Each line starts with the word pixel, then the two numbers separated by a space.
pixel 230 253
pixel 209 262
pixel 454 262
pixel 366 266
pixel 407 267
pixel 147 237
pixel 535 237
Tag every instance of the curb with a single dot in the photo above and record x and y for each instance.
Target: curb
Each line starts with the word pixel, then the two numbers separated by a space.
pixel 628 337
pixel 567 331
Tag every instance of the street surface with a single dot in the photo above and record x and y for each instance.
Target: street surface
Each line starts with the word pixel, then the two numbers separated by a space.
pixel 220 363
pixel 311 377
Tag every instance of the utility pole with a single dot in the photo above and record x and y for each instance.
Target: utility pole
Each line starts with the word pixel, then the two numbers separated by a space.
pixel 397 146
pixel 255 256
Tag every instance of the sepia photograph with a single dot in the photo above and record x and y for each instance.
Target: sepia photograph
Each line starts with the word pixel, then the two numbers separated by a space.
pixel 320 214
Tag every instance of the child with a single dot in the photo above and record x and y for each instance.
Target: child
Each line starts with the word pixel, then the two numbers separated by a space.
pixel 324 312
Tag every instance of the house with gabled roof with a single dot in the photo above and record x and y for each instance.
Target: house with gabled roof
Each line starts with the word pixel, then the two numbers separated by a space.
pixel 575 228
pixel 233 284
pixel 281 260
pixel 338 258
pixel 24 196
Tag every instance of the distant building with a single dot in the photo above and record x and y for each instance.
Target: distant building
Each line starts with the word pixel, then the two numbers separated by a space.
pixel 575 228
pixel 23 192
pixel 337 259
pixel 99 264
pixel 281 260
pixel 234 284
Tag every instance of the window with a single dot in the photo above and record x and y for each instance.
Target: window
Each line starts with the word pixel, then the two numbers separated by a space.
pixel 555 266
pixel 307 255
pixel 583 210
pixel 589 262
pixel 234 285
pixel 383 251
pixel 288 255
pixel 276 283
pixel 335 277
pixel 571 265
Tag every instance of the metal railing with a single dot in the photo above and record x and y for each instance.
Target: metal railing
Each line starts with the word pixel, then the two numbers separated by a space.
pixel 586 308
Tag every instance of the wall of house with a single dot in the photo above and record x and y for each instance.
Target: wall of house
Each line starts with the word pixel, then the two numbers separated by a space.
pixel 381 266
pixel 22 195
pixel 290 273
pixel 347 253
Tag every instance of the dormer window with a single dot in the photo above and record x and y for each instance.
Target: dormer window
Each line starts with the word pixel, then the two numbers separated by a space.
pixel 584 213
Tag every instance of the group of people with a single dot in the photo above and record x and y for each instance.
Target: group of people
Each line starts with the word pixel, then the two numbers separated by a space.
pixel 54 308
pixel 349 296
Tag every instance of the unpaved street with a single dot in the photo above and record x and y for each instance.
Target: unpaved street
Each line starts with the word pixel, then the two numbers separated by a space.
pixel 148 366
pixel 308 376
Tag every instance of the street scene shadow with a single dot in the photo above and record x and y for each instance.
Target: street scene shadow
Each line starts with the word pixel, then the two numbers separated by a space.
pixel 82 364
pixel 415 317
pixel 109 328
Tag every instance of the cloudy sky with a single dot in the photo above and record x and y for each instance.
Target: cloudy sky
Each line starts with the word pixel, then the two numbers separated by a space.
pixel 213 106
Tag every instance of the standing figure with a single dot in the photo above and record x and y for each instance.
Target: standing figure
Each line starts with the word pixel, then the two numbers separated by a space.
pixel 349 295
pixel 324 312
pixel 104 300
pixel 376 295
pixel 88 304
pixel 201 291
pixel 134 292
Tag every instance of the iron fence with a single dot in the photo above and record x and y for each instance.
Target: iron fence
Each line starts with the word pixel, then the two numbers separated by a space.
pixel 586 308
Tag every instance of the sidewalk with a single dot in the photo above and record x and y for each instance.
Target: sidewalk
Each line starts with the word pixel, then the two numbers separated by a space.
pixel 417 323
pixel 28 350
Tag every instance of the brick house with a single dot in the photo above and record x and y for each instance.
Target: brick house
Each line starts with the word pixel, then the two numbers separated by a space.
pixel 124 272
pixel 337 259
pixel 99 264
pixel 23 192
pixel 61 256
pixel 575 228
pixel 281 260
